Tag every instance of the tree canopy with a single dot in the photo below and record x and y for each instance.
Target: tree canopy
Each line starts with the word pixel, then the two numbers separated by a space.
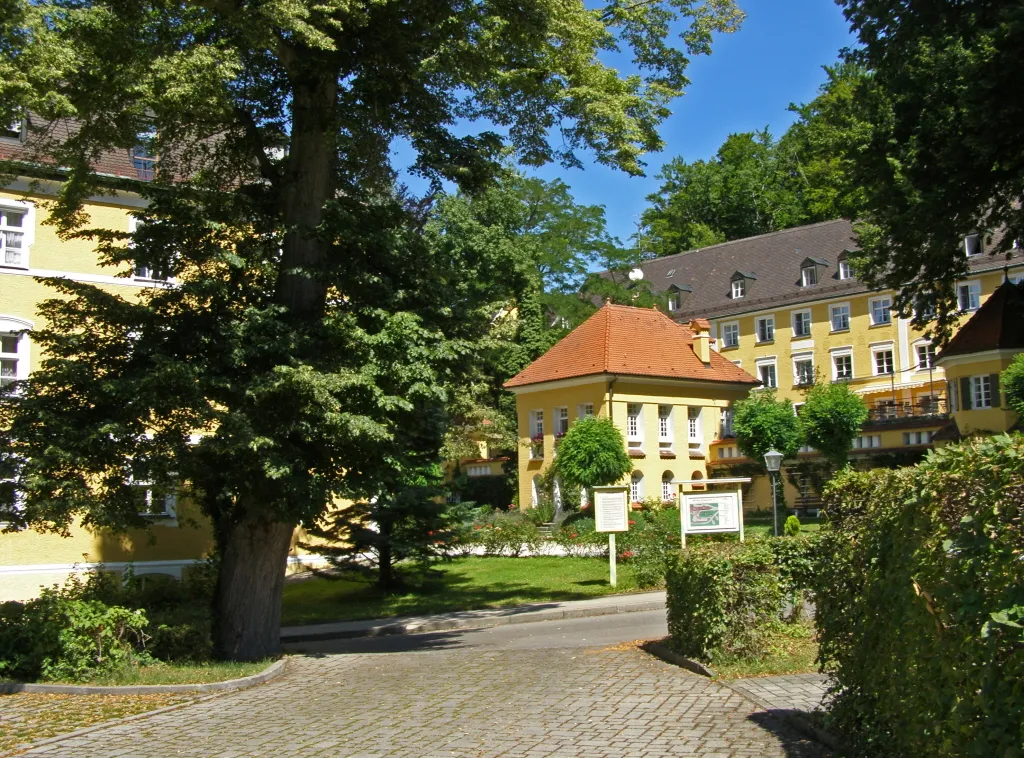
pixel 944 154
pixel 592 453
pixel 830 418
pixel 315 315
pixel 762 422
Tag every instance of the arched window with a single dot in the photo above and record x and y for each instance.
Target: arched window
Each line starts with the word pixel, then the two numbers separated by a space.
pixel 636 487
pixel 556 493
pixel 535 494
pixel 667 490
pixel 697 475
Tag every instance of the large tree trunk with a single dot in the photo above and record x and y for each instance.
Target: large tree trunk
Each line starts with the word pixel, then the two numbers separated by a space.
pixel 248 601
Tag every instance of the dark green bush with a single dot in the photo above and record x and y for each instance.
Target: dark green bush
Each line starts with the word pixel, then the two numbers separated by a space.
pixel 792 526
pixel 920 607
pixel 723 599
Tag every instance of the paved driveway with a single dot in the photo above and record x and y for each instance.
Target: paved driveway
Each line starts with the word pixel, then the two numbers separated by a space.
pixel 447 700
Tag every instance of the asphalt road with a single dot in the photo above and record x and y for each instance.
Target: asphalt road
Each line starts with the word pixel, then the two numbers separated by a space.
pixel 543 635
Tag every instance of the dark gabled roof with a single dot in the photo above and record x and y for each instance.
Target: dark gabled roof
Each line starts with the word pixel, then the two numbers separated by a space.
pixel 680 288
pixel 997 325
pixel 772 261
pixel 815 261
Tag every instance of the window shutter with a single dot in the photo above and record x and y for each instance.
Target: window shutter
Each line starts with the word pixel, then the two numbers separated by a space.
pixel 997 400
pixel 951 389
pixel 965 393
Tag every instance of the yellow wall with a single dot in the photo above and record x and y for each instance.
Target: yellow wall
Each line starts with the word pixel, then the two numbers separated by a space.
pixel 998 418
pixel 711 398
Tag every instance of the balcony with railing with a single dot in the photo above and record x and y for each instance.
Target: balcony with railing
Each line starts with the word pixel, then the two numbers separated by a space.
pixel 884 412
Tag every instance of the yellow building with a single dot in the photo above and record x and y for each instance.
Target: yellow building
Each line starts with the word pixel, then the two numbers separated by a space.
pixel 973 360
pixel 659 381
pixel 788 308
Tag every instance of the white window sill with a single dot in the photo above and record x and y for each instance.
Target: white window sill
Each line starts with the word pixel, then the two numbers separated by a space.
pixel 17 266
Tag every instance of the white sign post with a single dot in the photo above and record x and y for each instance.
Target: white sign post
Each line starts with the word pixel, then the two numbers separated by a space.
pixel 611 514
pixel 709 512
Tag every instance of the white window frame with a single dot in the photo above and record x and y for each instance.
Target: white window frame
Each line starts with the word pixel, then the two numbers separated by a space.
pixel 665 423
pixel 635 422
pixel 884 314
pixel 12 326
pixel 980 386
pixel 832 317
pixel 170 510
pixel 929 351
pixel 876 352
pixel 478 470
pixel 584 410
pixel 803 358
pixel 560 414
pixel 739 288
pixel 766 363
pixel 636 487
pixel 666 487
pixel 973 289
pixel 769 323
pixel 27 231
pixel 867 441
pixel 673 301
pixel 733 328
pixel 808 272
pixel 695 424
pixel 973 241
pixel 842 353
pixel 725 421
pixel 795 318
pixel 845 270
pixel 917 438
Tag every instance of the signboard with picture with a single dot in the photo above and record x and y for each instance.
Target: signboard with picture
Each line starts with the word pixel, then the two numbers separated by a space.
pixel 710 512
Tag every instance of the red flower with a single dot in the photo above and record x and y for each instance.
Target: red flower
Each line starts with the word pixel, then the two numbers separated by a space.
pixel 632 522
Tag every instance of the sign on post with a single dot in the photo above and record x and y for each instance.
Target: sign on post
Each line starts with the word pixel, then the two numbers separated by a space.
pixel 712 512
pixel 611 514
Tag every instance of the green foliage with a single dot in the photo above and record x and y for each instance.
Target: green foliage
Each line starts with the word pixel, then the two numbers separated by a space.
pixel 592 453
pixel 919 604
pixel 933 165
pixel 831 417
pixel 492 491
pixel 509 533
pixel 723 599
pixel 756 184
pixel 1011 382
pixel 406 523
pixel 763 422
pixel 650 544
pixel 317 312
pixel 792 527
pixel 542 513
pixel 578 537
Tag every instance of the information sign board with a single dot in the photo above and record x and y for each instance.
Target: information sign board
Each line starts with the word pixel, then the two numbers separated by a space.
pixel 710 512
pixel 611 513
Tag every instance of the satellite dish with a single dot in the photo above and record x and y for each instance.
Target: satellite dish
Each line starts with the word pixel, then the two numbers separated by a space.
pixel 636 275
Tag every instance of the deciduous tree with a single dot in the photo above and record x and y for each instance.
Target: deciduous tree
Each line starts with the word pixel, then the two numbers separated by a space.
pixel 830 418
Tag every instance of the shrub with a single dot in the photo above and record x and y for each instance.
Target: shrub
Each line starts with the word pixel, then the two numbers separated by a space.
pixel 59 637
pixel 509 533
pixel 577 537
pixel 792 527
pixel 542 513
pixel 920 607
pixel 650 544
pixel 722 599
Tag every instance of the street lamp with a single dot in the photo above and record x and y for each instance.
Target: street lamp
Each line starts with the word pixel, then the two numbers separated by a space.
pixel 772 461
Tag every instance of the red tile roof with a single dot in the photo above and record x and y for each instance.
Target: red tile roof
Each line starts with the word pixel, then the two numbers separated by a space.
pixel 629 341
pixel 997 325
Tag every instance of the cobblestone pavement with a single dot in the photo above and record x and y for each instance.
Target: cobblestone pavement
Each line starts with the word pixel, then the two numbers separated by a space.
pixel 803 692
pixel 594 702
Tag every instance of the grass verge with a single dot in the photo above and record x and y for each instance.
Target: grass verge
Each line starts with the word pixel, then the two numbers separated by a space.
pixel 175 673
pixel 27 717
pixel 792 649
pixel 464 584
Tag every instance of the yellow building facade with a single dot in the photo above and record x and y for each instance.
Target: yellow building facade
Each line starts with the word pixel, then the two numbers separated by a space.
pixel 787 308
pixel 659 382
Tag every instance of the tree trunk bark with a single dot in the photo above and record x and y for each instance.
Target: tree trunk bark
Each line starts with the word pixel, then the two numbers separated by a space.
pixel 248 601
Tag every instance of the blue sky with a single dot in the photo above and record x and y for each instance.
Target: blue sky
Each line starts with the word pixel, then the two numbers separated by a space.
pixel 747 83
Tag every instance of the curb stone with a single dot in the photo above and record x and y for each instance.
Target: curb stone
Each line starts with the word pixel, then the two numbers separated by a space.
pixel 444 622
pixel 273 671
pixel 670 656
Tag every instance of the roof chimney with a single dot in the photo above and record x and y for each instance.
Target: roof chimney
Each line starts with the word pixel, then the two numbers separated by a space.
pixel 701 329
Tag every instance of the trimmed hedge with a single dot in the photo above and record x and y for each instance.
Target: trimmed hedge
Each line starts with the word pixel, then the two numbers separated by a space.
pixel 722 598
pixel 920 608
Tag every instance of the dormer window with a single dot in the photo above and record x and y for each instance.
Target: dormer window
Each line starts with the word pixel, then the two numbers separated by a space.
pixel 671 273
pixel 739 283
pixel 844 269
pixel 144 155
pixel 972 245
pixel 810 271
pixel 676 293
pixel 14 130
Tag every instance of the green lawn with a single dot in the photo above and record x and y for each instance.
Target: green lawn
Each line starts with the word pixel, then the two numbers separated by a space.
pixel 464 584
pixel 792 649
